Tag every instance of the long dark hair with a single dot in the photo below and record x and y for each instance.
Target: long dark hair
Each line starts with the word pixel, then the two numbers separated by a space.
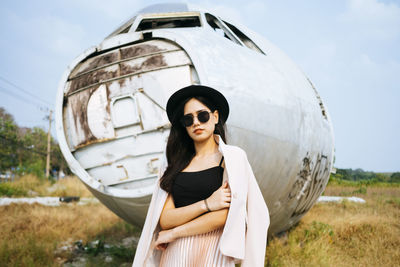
pixel 180 146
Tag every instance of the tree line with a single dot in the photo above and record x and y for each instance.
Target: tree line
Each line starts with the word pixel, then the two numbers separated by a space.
pixel 365 176
pixel 23 150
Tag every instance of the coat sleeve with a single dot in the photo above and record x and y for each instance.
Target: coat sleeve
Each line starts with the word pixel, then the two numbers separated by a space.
pixel 147 235
pixel 257 222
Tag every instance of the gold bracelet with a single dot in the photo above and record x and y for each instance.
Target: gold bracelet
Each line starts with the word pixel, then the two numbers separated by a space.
pixel 205 201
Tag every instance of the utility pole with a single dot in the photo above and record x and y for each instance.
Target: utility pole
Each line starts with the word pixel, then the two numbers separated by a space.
pixel 48 148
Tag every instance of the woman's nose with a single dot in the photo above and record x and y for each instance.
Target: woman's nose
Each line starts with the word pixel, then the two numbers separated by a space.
pixel 196 121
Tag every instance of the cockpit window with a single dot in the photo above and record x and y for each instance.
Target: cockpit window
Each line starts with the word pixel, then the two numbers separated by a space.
pixel 246 40
pixel 219 28
pixel 124 28
pixel 174 22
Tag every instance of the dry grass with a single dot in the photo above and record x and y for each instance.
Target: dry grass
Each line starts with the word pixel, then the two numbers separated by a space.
pixel 31 233
pixel 344 234
pixel 68 186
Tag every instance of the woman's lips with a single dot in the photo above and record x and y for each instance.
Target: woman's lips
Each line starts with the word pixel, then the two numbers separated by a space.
pixel 198 131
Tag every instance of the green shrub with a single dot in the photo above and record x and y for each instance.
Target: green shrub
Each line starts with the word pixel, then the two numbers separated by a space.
pixel 361 190
pixel 316 231
pixel 7 189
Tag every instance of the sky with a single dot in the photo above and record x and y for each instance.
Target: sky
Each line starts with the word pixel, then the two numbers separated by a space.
pixel 348 48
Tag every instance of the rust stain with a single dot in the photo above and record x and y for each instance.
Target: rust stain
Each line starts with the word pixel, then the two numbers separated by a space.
pixel 154 61
pixel 101 61
pixel 317 176
pixel 89 142
pixel 121 82
pixel 95 77
pixel 65 101
pixel 150 63
pixel 78 104
pixel 126 69
pixel 108 100
pixel 139 50
pixel 91 78
pixel 126 173
pixel 302 178
pixel 120 54
pixel 115 56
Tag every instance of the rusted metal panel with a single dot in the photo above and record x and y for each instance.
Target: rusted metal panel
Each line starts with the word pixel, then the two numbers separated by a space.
pixel 139 156
pixel 153 62
pixel 120 54
pixel 133 66
pixel 140 50
pixel 98 82
pixel 93 78
pixel 76 108
pixel 98 62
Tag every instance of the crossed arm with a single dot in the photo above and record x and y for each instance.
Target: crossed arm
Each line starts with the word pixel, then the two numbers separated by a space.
pixel 192 219
pixel 188 217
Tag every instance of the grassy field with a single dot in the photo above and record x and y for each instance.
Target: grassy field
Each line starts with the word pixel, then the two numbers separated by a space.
pixel 344 234
pixel 32 235
pixel 330 234
pixel 31 186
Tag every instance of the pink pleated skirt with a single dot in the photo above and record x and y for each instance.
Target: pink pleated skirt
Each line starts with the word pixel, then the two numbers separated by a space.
pixel 196 251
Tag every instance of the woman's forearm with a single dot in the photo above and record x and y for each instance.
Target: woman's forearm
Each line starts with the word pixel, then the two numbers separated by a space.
pixel 174 217
pixel 203 224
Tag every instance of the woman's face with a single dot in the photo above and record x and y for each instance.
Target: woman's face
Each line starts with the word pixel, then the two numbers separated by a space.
pixel 200 131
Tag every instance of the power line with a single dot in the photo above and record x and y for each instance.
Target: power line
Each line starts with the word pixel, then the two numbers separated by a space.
pixel 22 98
pixel 23 90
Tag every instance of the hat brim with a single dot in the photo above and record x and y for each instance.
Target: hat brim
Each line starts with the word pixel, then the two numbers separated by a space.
pixel 197 90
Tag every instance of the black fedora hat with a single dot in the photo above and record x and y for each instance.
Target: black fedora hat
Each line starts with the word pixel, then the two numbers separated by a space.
pixel 197 90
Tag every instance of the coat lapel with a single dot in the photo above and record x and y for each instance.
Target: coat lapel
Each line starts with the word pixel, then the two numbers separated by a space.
pixel 233 236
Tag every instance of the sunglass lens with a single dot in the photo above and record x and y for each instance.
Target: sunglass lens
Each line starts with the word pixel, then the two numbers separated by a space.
pixel 187 120
pixel 203 116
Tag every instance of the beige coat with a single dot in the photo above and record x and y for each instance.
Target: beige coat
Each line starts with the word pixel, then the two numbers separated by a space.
pixel 244 236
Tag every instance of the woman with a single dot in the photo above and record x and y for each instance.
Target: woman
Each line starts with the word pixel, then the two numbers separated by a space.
pixel 192 218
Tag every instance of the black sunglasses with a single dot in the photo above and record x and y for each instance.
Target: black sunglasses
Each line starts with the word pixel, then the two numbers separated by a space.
pixel 202 116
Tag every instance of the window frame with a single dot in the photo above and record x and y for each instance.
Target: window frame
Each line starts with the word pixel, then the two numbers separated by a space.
pixel 229 34
pixel 254 47
pixel 117 124
pixel 140 18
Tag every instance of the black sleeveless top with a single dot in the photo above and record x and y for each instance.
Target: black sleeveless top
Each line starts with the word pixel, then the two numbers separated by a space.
pixel 190 187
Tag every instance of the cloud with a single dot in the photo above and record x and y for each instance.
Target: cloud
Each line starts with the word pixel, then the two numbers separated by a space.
pixel 373 19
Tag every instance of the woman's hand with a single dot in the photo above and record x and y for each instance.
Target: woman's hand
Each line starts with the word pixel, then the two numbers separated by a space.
pixel 164 237
pixel 221 198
